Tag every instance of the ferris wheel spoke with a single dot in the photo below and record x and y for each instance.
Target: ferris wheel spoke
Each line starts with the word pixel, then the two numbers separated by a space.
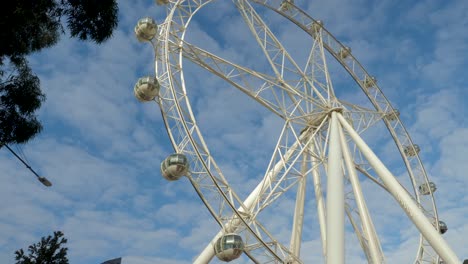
pixel 256 252
pixel 283 100
pixel 342 54
pixel 282 64
pixel 260 235
pixel 253 231
pixel 316 66
pixel 276 182
pixel 284 170
pixel 361 118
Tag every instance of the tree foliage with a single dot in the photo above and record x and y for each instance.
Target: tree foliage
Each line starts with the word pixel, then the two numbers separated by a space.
pixel 28 26
pixel 91 19
pixel 20 96
pixel 50 250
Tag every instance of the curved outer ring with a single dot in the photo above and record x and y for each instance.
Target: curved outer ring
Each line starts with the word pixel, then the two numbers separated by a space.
pixel 188 144
pixel 399 133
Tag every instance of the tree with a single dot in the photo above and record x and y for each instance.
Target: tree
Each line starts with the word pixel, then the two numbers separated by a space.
pixel 28 26
pixel 20 96
pixel 50 250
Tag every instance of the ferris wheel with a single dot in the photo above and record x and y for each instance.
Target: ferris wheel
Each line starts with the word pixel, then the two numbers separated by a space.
pixel 320 147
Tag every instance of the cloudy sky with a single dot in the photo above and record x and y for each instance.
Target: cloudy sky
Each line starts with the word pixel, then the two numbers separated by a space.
pixel 102 149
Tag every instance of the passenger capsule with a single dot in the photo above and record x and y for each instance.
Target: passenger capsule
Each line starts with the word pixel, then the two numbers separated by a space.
pixel 162 2
pixel 369 82
pixel 286 5
pixel 229 247
pixel 146 29
pixel 411 151
pixel 344 52
pixel 427 188
pixel 392 116
pixel 174 166
pixel 442 227
pixel 146 89
pixel 316 26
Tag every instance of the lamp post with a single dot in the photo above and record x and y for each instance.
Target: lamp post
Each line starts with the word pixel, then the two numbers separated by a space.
pixel 43 180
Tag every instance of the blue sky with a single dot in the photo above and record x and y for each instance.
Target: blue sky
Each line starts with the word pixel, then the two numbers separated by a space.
pixel 102 149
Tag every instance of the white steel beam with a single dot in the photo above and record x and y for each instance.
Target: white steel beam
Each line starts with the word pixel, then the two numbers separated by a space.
pixel 406 202
pixel 335 197
pixel 358 234
pixel 320 204
pixel 208 253
pixel 298 222
pixel 375 251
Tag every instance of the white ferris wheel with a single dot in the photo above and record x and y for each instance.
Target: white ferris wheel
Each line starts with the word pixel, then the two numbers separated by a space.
pixel 319 149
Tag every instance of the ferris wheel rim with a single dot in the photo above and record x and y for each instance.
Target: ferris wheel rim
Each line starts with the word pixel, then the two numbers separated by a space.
pixel 168 23
pixel 396 139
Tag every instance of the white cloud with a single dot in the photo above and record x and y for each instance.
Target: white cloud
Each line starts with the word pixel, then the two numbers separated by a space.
pixel 102 149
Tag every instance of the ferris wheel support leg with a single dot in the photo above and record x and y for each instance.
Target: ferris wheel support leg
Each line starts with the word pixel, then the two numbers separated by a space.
pixel 335 197
pixel 298 222
pixel 320 204
pixel 376 254
pixel 404 199
pixel 359 235
pixel 207 254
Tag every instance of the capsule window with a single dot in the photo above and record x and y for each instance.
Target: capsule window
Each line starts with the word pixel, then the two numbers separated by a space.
pixel 369 82
pixel 412 150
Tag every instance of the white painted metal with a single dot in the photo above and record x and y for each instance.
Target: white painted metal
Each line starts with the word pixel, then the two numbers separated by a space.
pixel 376 254
pixel 335 197
pixel 208 253
pixel 403 198
pixel 274 51
pixel 415 168
pixel 277 95
pixel 184 132
pixel 359 235
pixel 320 204
pixel 298 221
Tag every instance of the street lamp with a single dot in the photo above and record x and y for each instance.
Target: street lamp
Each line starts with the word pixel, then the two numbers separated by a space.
pixel 43 180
